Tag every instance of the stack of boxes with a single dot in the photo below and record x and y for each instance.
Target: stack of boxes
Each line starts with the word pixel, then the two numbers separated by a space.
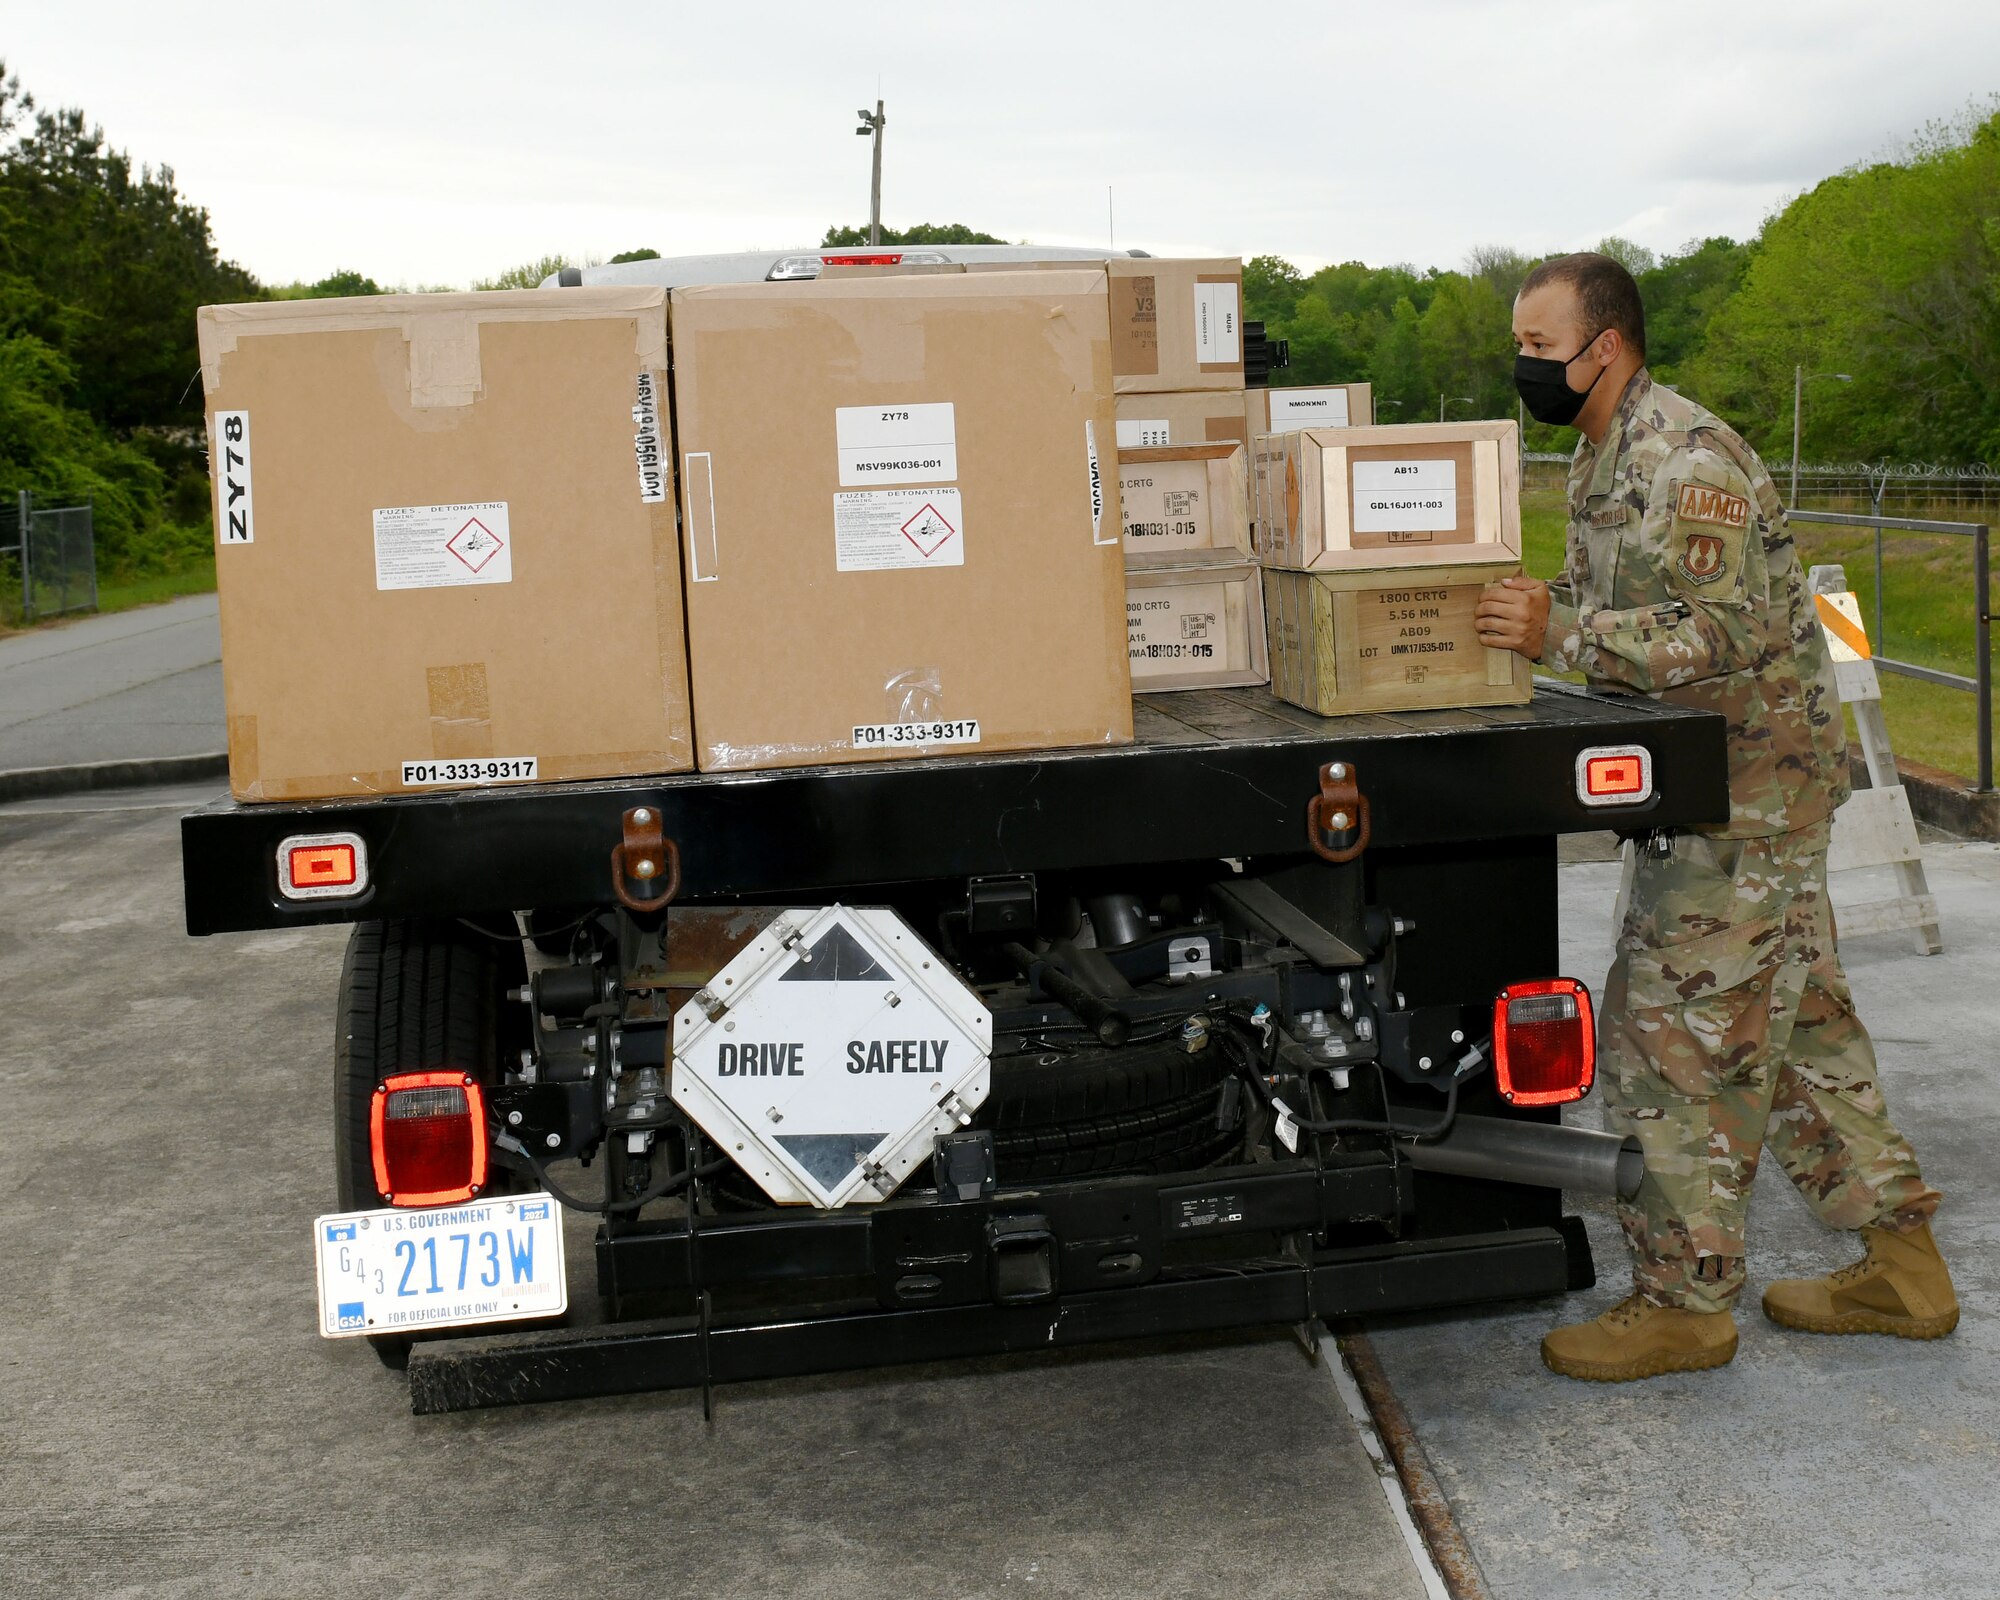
pixel 1193 606
pixel 955 512
pixel 1376 545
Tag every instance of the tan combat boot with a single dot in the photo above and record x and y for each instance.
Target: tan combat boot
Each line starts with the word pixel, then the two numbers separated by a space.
pixel 1900 1287
pixel 1637 1339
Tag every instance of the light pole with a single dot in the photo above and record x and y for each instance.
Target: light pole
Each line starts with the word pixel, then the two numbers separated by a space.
pixel 1799 376
pixel 874 124
pixel 1457 400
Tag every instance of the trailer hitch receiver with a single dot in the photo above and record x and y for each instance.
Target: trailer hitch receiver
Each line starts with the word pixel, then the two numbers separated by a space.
pixel 1337 817
pixel 645 856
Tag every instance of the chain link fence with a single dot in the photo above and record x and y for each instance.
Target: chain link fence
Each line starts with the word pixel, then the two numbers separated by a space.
pixel 48 558
pixel 1886 488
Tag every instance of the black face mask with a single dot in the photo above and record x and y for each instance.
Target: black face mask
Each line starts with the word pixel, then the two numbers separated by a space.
pixel 1544 385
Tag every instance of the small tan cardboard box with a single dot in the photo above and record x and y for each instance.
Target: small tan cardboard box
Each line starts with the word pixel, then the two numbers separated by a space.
pixel 1195 627
pixel 1426 494
pixel 900 517
pixel 445 541
pixel 1331 405
pixel 1184 505
pixel 1207 416
pixel 1176 325
pixel 1387 641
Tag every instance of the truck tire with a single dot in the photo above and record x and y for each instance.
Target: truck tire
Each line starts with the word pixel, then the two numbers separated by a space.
pixel 415 995
pixel 1137 1109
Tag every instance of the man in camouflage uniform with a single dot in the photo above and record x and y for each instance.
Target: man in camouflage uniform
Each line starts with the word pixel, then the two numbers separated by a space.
pixel 1726 1024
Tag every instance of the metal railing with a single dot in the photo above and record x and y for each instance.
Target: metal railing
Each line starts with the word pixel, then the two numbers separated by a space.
pixel 1980 685
pixel 52 551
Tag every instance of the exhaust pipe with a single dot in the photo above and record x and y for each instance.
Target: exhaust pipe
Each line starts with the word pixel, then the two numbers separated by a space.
pixel 1550 1157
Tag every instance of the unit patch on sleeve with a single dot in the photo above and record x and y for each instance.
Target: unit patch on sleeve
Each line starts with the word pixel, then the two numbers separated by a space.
pixel 1707 537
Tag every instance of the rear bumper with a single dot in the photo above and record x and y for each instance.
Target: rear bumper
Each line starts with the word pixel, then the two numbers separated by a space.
pixel 624 1358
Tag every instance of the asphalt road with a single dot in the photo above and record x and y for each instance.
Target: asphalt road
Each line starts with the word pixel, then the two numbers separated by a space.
pixel 129 686
pixel 171 1425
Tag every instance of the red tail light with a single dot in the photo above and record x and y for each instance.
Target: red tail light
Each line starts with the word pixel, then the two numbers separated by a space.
pixel 876 260
pixel 427 1134
pixel 1544 1043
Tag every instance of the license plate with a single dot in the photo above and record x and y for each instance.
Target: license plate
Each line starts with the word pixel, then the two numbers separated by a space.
pixel 395 1271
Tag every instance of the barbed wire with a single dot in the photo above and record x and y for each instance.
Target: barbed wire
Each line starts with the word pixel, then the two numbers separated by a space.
pixel 1895 471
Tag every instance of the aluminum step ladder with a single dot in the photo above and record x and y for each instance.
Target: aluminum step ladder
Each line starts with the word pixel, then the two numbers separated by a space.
pixel 1875 828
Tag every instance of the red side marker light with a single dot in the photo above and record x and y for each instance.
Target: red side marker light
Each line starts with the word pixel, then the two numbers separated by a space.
pixel 1544 1042
pixel 1614 775
pixel 427 1138
pixel 322 866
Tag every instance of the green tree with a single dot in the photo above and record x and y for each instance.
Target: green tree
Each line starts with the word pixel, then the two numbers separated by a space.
pixel 529 274
pixel 635 255
pixel 1684 294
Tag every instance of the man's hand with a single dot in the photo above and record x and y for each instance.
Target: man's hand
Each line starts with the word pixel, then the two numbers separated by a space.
pixel 1513 615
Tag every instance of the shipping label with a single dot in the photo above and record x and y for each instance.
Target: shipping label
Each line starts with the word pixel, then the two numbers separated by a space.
pixel 1293 409
pixel 1170 630
pixel 912 735
pixel 1144 435
pixel 896 444
pixel 234 523
pixel 482 770
pixel 1412 498
pixel 1096 486
pixel 1218 328
pixel 646 443
pixel 877 529
pixel 443 547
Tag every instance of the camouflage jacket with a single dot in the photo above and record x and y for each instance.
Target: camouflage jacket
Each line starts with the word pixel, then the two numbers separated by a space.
pixel 1681 581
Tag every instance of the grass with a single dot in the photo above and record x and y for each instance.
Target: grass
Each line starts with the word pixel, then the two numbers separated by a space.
pixel 1927 614
pixel 116 594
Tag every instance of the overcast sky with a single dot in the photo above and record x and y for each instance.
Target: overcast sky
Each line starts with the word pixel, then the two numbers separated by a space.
pixel 431 144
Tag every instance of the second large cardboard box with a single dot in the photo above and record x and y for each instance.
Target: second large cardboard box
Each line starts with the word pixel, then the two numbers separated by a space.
pixel 445 541
pixel 900 517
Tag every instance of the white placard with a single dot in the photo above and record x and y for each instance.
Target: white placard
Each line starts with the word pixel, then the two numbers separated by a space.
pixel 443 547
pixel 896 444
pixel 1405 496
pixel 876 529
pixel 1144 435
pixel 1096 486
pixel 1293 409
pixel 1218 327
pixel 234 523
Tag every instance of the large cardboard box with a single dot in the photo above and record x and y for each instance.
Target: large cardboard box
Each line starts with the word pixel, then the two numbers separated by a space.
pixel 445 541
pixel 1387 641
pixel 1195 628
pixel 1427 494
pixel 1329 405
pixel 900 517
pixel 1176 325
pixel 1184 504
pixel 1205 416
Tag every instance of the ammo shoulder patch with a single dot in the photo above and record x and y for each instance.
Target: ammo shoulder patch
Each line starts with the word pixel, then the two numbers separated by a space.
pixel 1702 502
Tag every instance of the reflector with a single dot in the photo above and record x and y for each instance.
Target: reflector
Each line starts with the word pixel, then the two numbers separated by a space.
pixel 1614 775
pixel 427 1136
pixel 319 866
pixel 1544 1043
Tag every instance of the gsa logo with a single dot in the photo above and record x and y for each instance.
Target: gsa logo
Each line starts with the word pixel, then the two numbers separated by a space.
pixel 349 1314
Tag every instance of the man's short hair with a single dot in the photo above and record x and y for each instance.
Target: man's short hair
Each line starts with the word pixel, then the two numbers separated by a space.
pixel 1606 296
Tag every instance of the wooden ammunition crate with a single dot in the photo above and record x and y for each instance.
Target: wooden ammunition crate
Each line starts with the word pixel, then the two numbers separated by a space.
pixel 1399 640
pixel 1195 627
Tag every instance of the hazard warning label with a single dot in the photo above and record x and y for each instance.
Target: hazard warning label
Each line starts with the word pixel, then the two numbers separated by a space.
pixel 440 547
pixel 879 528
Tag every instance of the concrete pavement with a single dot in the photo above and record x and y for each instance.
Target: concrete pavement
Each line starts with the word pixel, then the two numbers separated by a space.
pixel 171 1425
pixel 1810 1466
pixel 133 685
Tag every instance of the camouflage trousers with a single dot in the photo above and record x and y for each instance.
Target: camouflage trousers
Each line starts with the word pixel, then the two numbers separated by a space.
pixel 1727 1026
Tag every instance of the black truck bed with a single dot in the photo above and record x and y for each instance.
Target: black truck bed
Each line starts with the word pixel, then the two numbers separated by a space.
pixel 1210 774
